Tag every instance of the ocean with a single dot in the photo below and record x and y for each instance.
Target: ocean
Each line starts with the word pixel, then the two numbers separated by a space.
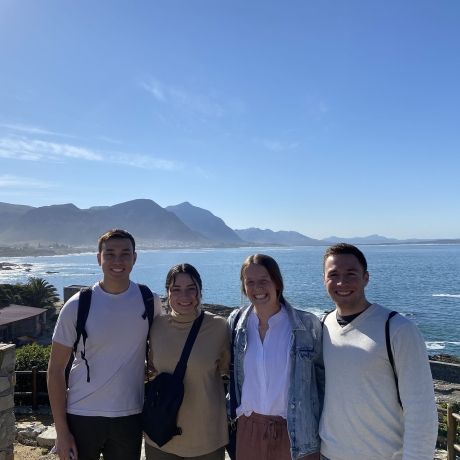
pixel 419 281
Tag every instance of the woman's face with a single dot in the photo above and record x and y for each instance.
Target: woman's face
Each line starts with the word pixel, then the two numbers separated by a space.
pixel 259 287
pixel 183 294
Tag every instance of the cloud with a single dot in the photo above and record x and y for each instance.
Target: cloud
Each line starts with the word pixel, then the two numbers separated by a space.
pixel 182 99
pixel 278 146
pixel 26 149
pixel 31 129
pixel 145 162
pixel 23 148
pixel 8 181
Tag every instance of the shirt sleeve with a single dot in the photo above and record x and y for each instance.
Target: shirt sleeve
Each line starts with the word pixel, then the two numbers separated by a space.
pixel 65 331
pixel 416 390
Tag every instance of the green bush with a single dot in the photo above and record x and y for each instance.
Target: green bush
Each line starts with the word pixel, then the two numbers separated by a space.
pixel 32 355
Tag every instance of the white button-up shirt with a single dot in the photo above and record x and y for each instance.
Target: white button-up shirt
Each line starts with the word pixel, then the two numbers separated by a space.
pixel 266 367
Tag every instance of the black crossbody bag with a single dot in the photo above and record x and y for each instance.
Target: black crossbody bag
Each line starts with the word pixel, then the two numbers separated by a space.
pixel 164 395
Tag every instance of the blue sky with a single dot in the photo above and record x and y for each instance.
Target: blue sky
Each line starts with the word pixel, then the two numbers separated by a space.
pixel 324 117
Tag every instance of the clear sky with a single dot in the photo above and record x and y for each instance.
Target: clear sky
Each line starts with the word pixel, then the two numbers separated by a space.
pixel 324 117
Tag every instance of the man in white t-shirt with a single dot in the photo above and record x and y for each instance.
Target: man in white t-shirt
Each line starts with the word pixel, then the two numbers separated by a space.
pixel 100 410
pixel 363 416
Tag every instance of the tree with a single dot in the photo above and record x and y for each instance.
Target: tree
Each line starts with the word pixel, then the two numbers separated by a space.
pixel 10 293
pixel 37 292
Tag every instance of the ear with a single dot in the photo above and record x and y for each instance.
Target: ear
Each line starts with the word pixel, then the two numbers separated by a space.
pixel 366 278
pixel 99 258
pixel 135 257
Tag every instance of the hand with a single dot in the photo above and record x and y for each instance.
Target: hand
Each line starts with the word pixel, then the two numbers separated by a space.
pixel 65 447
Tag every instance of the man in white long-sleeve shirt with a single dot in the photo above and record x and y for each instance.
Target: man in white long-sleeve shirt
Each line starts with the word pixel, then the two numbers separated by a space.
pixel 362 416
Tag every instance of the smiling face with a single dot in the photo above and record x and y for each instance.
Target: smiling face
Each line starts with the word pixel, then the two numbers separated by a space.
pixel 345 280
pixel 260 288
pixel 183 294
pixel 116 259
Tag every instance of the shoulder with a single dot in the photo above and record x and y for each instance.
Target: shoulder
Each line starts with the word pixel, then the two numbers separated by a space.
pixel 309 320
pixel 215 320
pixel 236 315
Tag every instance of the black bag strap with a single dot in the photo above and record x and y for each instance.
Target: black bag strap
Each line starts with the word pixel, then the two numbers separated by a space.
pixel 390 353
pixel 232 386
pixel 324 317
pixel 84 304
pixel 181 367
pixel 149 304
pixel 147 297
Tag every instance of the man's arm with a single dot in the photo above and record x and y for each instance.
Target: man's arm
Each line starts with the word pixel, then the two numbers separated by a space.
pixel 417 392
pixel 65 443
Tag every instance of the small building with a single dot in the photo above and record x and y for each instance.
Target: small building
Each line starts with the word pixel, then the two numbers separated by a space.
pixel 20 320
pixel 69 291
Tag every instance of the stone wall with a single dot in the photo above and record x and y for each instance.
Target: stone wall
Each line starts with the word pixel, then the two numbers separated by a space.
pixel 448 372
pixel 7 380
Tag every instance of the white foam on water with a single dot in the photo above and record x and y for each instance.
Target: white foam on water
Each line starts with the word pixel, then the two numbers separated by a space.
pixel 435 345
pixel 455 296
pixel 440 345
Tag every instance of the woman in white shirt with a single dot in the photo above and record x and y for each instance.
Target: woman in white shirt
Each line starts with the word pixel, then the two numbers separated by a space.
pixel 278 370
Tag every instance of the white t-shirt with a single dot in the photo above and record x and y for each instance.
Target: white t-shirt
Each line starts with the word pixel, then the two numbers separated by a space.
pixel 115 351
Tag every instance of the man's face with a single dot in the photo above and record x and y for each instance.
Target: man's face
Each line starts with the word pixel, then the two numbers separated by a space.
pixel 116 259
pixel 345 280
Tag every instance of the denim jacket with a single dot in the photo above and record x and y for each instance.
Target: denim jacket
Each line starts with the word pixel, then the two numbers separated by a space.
pixel 306 381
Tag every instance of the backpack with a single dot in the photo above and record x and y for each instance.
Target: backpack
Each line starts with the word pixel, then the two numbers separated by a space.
pixel 165 393
pixel 388 345
pixel 84 304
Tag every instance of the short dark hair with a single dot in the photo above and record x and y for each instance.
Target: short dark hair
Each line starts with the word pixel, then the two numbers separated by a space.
pixel 186 269
pixel 272 268
pixel 345 248
pixel 115 233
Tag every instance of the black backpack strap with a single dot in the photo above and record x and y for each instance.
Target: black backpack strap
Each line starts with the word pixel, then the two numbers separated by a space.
pixel 84 304
pixel 182 364
pixel 149 305
pixel 147 297
pixel 390 352
pixel 326 314
pixel 232 386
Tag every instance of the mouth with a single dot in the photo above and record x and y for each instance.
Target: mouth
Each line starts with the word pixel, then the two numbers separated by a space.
pixel 343 293
pixel 260 296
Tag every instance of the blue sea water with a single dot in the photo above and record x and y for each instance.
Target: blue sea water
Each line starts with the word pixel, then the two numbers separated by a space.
pixel 419 281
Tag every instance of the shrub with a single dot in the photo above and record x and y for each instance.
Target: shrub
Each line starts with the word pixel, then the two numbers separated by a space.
pixel 32 355
pixel 27 357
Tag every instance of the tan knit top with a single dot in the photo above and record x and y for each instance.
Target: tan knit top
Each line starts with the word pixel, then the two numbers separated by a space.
pixel 202 415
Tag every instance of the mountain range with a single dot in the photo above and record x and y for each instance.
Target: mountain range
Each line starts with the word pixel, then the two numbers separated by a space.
pixel 182 225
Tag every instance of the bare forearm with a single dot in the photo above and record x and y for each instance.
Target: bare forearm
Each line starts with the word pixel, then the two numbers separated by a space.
pixel 58 400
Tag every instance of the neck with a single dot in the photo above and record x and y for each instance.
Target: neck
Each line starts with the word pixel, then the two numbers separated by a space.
pixel 114 288
pixel 264 313
pixel 346 310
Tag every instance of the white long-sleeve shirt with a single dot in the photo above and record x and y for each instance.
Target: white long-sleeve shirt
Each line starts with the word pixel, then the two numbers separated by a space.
pixel 266 367
pixel 362 417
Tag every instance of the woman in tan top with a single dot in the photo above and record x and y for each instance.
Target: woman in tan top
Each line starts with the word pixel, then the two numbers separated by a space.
pixel 202 416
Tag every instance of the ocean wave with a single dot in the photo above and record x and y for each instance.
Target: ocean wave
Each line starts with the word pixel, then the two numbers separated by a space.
pixel 440 345
pixel 455 296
